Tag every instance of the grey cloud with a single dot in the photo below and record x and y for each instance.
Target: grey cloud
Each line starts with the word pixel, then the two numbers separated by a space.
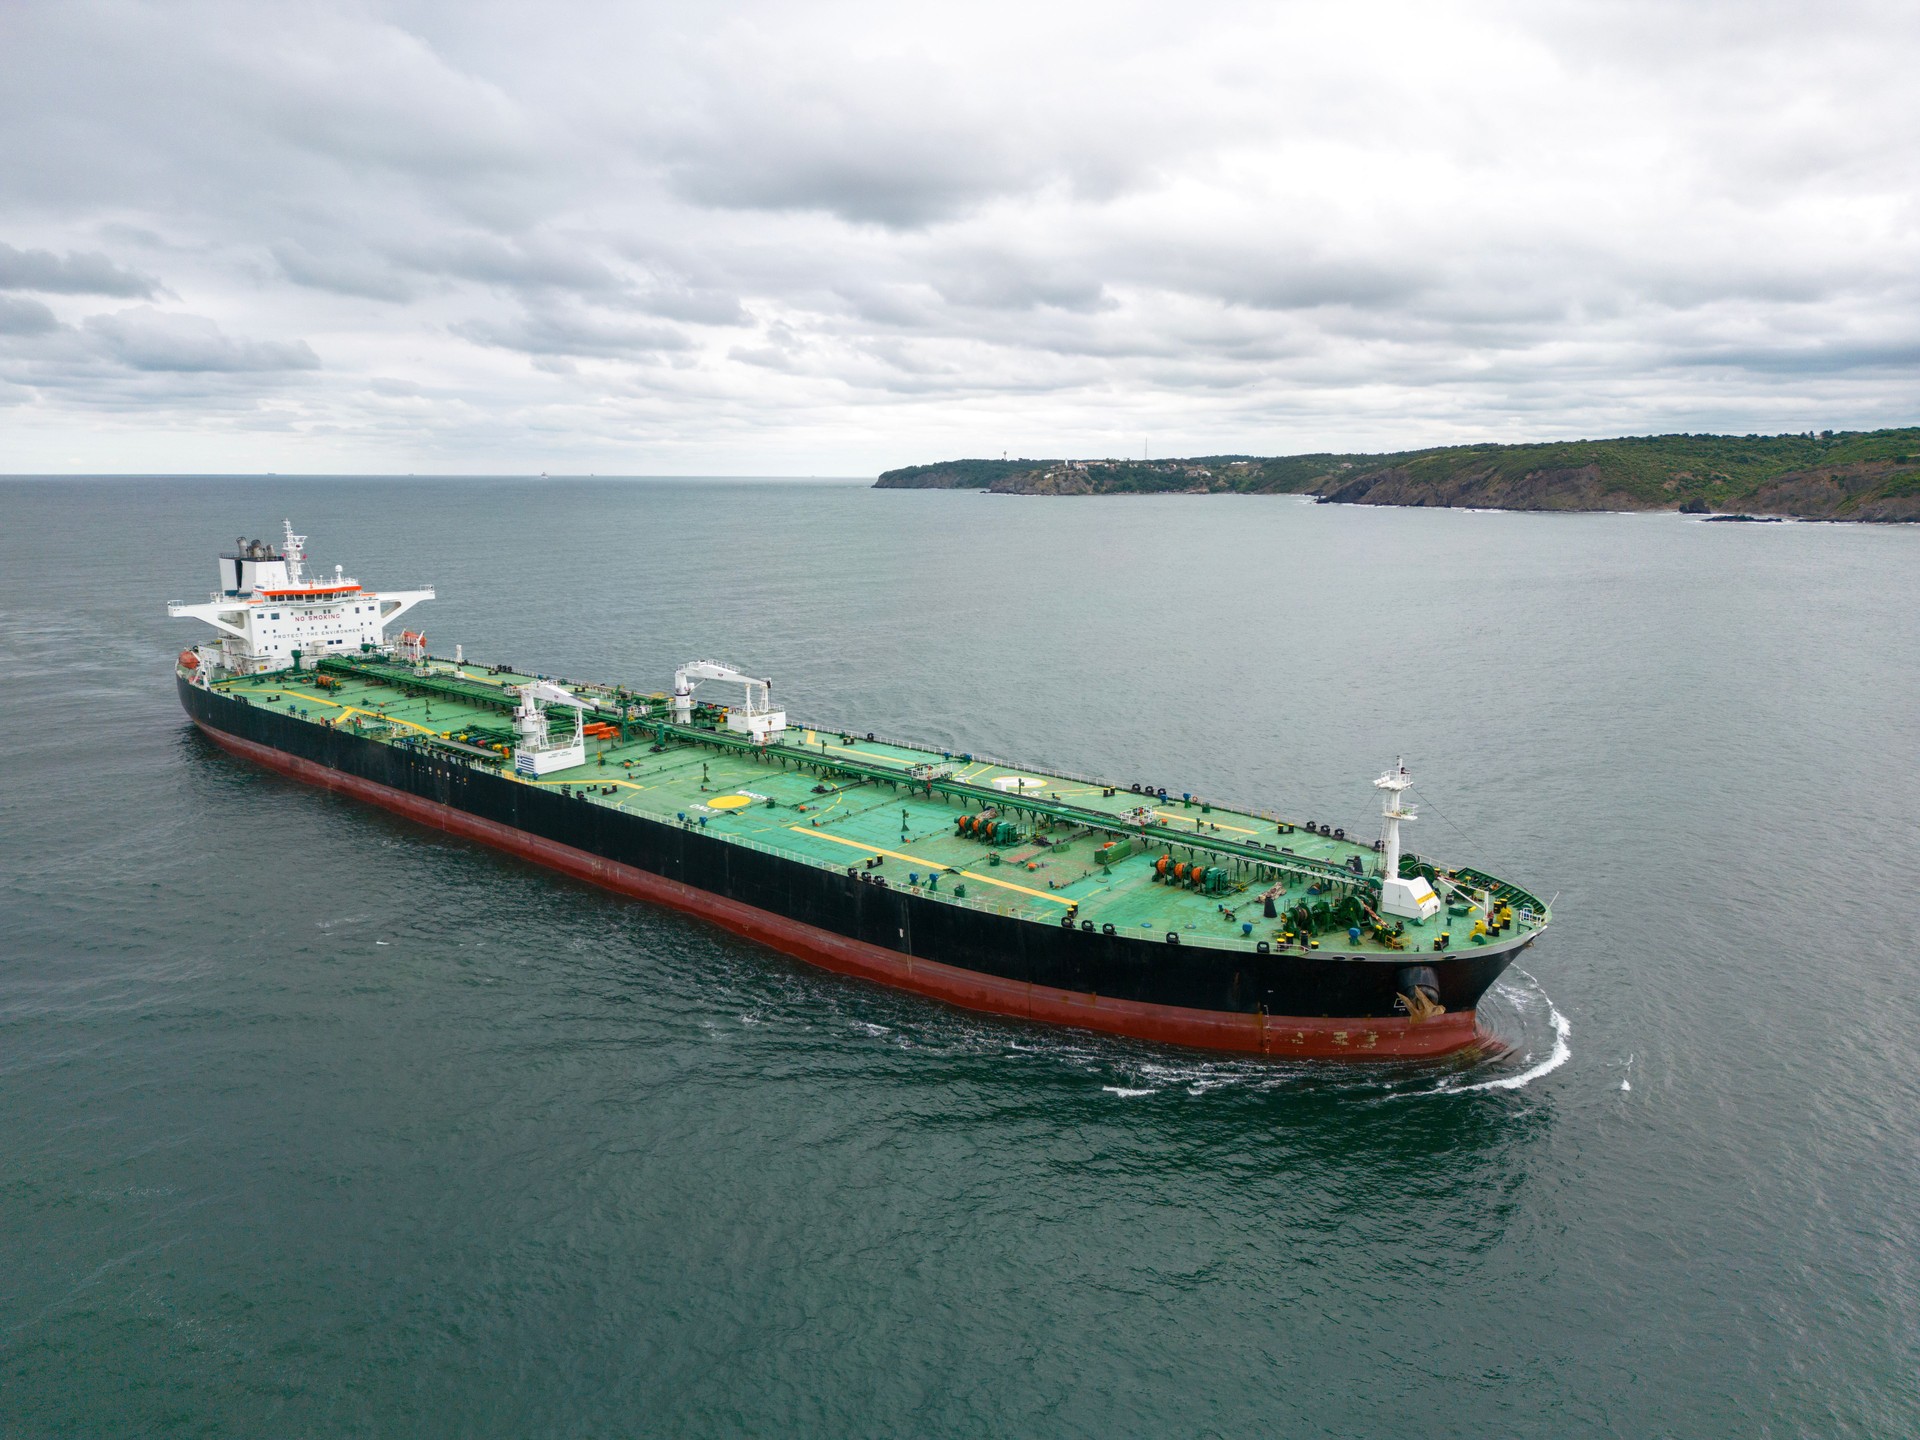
pixel 25 317
pixel 536 262
pixel 901 190
pixel 901 144
pixel 991 281
pixel 148 339
pixel 70 274
pixel 801 225
pixel 382 95
pixel 342 274
pixel 767 357
pixel 554 333
pixel 1840 358
pixel 696 306
pixel 1311 283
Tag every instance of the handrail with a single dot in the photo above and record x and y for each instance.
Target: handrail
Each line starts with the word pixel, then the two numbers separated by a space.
pixel 1269 858
pixel 1241 943
pixel 1275 860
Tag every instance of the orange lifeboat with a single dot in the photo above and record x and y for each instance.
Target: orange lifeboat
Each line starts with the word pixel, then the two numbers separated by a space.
pixel 189 660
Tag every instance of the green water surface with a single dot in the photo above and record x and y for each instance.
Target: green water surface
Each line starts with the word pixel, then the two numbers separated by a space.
pixel 316 1123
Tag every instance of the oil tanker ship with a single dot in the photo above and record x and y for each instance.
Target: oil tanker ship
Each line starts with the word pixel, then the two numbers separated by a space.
pixel 1131 908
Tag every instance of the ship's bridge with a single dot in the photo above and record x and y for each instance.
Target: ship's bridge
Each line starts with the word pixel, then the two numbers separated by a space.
pixel 271 614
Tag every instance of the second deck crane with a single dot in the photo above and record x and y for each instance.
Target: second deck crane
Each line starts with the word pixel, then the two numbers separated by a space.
pixel 757 720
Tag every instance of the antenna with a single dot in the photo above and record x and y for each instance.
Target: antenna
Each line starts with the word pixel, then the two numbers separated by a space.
pixel 296 553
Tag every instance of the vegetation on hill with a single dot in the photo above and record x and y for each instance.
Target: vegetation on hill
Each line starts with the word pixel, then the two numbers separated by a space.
pixel 1870 475
pixel 955 474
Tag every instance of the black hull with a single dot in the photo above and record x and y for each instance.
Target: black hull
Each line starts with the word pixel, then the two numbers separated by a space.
pixel 1201 979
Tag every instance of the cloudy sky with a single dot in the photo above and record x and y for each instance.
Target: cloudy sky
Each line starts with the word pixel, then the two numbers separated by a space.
pixel 663 238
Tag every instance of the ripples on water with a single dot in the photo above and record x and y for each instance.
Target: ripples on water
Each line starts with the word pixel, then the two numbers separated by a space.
pixel 317 1123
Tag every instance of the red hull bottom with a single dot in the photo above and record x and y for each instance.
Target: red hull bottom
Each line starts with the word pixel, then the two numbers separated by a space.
pixel 1253 1034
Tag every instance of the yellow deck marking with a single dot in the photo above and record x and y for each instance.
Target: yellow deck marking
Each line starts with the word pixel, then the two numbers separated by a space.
pixel 1185 819
pixel 876 755
pixel 729 802
pixel 930 864
pixel 347 710
pixel 1009 885
pixel 1017 784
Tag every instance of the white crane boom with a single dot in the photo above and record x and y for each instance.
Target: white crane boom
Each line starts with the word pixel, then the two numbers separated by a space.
pixel 548 693
pixel 757 719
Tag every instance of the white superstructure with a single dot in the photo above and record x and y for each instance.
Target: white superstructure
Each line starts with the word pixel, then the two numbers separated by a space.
pixel 272 615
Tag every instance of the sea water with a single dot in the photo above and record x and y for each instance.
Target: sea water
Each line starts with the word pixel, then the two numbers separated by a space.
pixel 315 1122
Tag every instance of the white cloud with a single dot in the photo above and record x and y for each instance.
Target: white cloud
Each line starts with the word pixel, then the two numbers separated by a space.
pixel 147 339
pixel 839 236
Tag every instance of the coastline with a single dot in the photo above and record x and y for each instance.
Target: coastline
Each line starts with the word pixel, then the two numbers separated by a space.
pixel 1868 477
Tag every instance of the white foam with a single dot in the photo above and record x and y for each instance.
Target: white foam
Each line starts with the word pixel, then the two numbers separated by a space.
pixel 1562 1052
pixel 1562 1048
pixel 1126 1094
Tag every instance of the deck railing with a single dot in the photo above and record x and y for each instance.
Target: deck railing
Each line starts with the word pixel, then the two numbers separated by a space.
pixel 1007 909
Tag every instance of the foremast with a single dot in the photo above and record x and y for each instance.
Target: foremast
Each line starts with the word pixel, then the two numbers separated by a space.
pixel 1411 898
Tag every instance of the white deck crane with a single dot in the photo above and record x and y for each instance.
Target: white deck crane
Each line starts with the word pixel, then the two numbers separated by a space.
pixel 758 721
pixel 536 752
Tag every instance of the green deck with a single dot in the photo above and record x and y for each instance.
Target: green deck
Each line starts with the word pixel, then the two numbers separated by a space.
pixel 837 800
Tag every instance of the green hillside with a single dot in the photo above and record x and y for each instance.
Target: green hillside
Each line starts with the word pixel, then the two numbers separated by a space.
pixel 954 474
pixel 1864 475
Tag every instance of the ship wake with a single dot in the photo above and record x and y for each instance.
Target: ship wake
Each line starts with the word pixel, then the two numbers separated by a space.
pixel 1527 998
